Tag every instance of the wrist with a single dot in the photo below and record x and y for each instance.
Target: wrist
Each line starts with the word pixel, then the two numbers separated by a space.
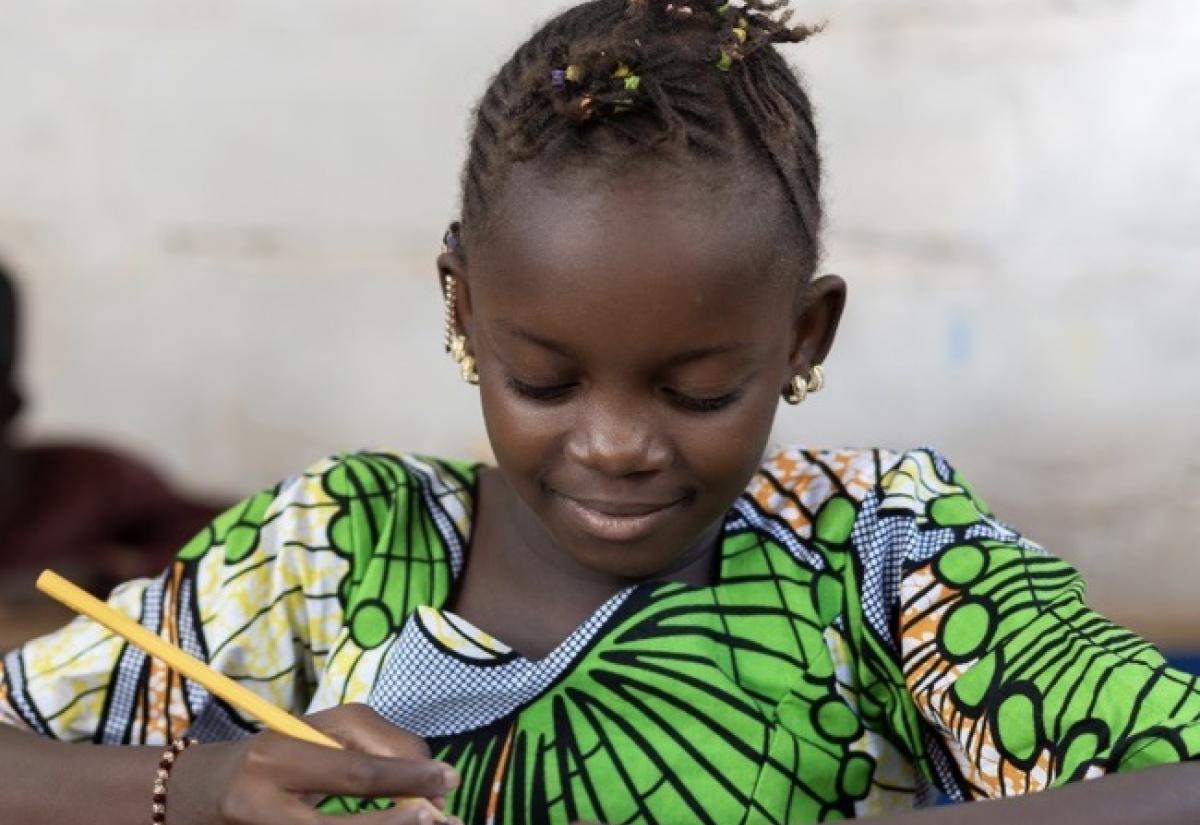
pixel 166 764
pixel 197 783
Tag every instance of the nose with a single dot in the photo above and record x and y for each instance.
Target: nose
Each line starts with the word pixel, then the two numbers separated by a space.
pixel 617 441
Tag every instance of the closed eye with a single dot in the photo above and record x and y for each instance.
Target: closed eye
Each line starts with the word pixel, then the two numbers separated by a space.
pixel 553 392
pixel 702 405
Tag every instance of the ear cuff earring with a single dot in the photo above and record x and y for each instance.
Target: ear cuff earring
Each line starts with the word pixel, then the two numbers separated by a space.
pixel 800 388
pixel 456 342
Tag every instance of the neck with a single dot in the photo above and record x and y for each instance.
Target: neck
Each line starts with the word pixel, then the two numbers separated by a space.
pixel 521 587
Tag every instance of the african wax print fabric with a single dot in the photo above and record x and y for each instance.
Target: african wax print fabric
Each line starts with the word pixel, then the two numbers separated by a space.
pixel 873 633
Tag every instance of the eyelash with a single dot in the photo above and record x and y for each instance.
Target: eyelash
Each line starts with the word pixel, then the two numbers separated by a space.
pixel 544 394
pixel 704 405
pixel 557 392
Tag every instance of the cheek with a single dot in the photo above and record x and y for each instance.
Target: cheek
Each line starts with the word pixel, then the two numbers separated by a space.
pixel 522 439
pixel 725 450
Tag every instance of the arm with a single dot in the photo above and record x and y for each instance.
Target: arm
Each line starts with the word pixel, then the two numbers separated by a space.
pixel 264 778
pixel 256 595
pixel 1166 795
pixel 1019 685
pixel 253 595
pixel 47 781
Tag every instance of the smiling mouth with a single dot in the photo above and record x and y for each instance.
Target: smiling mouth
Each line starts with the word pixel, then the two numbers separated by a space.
pixel 619 521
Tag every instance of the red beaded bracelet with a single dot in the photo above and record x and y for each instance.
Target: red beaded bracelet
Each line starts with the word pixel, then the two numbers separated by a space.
pixel 163 774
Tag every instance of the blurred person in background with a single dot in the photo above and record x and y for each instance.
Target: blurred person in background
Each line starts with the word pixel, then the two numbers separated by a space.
pixel 81 508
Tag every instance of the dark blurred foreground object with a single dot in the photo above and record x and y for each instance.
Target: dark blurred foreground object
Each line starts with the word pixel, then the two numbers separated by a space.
pixel 97 513
pixel 88 511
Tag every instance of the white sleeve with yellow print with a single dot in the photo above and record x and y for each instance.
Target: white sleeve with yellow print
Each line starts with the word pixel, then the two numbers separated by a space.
pixel 255 595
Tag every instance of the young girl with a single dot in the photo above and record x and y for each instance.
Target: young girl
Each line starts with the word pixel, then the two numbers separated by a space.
pixel 641 614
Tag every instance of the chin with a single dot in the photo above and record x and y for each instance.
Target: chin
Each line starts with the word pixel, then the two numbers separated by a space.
pixel 646 557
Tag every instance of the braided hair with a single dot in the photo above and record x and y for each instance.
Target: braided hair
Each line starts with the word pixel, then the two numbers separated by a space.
pixel 608 80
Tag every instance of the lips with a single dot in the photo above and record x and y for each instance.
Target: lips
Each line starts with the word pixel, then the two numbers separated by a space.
pixel 619 521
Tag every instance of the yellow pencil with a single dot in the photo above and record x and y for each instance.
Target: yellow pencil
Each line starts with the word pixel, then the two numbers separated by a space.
pixel 218 684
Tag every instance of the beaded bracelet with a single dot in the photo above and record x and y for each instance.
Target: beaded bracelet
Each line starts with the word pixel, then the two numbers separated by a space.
pixel 163 774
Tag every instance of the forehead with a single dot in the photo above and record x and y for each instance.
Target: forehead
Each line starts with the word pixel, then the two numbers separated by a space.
pixel 677 255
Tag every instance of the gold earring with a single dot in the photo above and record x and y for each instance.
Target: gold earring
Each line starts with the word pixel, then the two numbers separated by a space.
pixel 799 388
pixel 797 391
pixel 456 342
pixel 816 382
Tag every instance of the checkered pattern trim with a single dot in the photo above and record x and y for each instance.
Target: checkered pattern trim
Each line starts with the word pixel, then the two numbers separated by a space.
pixel 14 673
pixel 215 724
pixel 888 543
pixel 883 544
pixel 192 642
pixel 131 667
pixel 445 499
pixel 431 691
pixel 948 778
pixel 748 516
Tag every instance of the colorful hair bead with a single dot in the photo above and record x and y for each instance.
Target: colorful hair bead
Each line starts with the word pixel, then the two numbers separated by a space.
pixel 573 73
pixel 632 81
pixel 558 79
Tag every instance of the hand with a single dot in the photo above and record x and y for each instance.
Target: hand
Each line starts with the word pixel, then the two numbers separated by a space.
pixel 272 778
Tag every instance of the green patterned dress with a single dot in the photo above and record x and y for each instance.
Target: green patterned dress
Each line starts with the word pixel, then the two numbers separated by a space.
pixel 873 634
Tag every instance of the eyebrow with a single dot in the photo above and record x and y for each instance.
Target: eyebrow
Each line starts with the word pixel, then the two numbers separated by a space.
pixel 685 357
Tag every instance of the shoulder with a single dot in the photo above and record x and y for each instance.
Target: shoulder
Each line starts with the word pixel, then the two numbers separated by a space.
pixel 921 473
pixel 370 474
pixel 926 486
pixel 318 506
pixel 808 478
pixel 798 484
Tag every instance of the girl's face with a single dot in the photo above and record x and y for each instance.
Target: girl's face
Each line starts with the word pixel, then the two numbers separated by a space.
pixel 633 337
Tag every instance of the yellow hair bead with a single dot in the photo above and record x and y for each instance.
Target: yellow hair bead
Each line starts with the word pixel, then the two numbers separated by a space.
pixel 633 82
pixel 574 73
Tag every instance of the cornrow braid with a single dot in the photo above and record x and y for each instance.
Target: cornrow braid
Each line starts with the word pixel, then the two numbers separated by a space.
pixel 611 77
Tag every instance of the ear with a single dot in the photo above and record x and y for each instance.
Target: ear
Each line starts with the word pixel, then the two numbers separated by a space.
pixel 818 313
pixel 451 264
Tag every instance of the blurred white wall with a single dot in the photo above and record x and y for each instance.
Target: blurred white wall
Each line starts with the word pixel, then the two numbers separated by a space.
pixel 226 213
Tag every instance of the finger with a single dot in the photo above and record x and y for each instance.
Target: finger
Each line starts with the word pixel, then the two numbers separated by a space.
pixel 359 727
pixel 390 817
pixel 292 811
pixel 436 807
pixel 424 815
pixel 301 767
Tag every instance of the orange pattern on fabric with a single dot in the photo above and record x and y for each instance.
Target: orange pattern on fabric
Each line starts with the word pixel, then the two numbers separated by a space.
pixel 930 680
